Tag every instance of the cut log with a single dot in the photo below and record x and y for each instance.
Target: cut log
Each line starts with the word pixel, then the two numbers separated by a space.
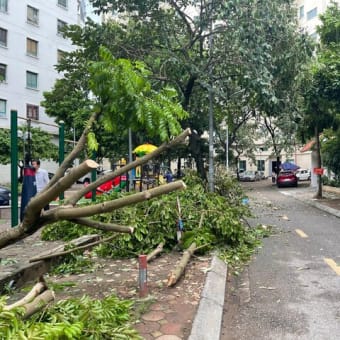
pixel 179 270
pixel 69 251
pixel 34 292
pixel 38 303
pixel 155 252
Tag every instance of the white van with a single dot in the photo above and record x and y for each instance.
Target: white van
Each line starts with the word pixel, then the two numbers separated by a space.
pixel 303 174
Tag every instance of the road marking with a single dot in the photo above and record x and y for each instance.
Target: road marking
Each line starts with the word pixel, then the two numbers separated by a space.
pixel 333 265
pixel 301 233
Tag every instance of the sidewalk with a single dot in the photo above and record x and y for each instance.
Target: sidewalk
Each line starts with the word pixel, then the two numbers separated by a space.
pixel 191 310
pixel 329 203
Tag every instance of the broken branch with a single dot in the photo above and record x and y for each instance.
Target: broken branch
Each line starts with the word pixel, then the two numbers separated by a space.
pixel 155 252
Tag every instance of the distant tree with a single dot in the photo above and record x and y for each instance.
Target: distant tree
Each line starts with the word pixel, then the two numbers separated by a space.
pixel 41 145
pixel 321 84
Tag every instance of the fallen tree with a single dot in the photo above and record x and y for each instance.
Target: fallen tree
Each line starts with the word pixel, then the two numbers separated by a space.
pixel 120 92
pixel 35 217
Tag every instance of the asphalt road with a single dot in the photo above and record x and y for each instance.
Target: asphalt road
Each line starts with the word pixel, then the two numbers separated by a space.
pixel 291 289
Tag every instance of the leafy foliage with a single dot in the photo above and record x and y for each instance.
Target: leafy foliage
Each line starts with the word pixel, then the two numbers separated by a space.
pixel 155 221
pixel 74 264
pixel 83 318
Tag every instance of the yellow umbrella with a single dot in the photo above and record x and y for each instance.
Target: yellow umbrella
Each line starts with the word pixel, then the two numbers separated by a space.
pixel 144 149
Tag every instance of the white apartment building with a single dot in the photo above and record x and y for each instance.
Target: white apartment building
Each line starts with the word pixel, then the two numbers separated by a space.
pixel 308 14
pixel 31 44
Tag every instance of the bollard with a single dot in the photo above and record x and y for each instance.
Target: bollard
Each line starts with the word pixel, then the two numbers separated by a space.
pixel 143 285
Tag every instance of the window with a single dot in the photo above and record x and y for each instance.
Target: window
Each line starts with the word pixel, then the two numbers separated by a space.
pixel 32 111
pixel 3 6
pixel 31 80
pixel 301 12
pixel 2 108
pixel 32 15
pixel 312 13
pixel 61 24
pixel 3 37
pixel 31 47
pixel 62 3
pixel 3 68
pixel 242 165
pixel 260 165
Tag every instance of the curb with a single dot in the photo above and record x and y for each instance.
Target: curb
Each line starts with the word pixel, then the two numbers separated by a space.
pixel 320 206
pixel 208 319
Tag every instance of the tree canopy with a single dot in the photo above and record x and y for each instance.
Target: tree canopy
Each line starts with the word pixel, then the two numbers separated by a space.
pixel 246 52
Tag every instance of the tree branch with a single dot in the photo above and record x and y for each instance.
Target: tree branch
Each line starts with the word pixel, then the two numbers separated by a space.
pixel 103 226
pixel 69 213
pixel 92 186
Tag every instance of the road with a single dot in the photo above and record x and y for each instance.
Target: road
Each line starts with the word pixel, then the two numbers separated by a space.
pixel 291 288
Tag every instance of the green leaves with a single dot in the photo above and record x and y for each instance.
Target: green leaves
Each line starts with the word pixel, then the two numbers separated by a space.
pixel 125 95
pixel 83 318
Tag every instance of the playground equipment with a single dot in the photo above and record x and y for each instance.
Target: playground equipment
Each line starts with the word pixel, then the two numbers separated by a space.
pixel 147 175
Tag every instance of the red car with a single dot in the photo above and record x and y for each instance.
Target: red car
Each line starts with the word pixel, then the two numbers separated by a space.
pixel 286 178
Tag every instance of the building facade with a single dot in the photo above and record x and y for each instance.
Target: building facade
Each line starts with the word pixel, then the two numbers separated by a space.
pixel 31 43
pixel 308 14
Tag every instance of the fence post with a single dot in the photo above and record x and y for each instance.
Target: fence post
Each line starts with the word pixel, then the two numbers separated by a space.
pixel 14 168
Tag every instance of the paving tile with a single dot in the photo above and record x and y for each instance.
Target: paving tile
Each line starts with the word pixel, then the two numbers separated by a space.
pixel 169 337
pixel 153 316
pixel 172 329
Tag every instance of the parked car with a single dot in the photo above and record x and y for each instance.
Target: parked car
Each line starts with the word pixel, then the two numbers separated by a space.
pixel 303 174
pixel 286 178
pixel 5 196
pixel 250 176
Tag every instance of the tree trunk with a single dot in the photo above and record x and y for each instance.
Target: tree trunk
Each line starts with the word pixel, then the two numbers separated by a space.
pixel 179 270
pixel 196 151
pixel 318 194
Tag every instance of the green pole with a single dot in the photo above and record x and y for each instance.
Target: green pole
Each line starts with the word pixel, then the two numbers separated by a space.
pixel 94 176
pixel 61 147
pixel 14 168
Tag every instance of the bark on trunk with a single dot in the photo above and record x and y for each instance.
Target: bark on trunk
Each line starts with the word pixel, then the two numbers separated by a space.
pixel 179 270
